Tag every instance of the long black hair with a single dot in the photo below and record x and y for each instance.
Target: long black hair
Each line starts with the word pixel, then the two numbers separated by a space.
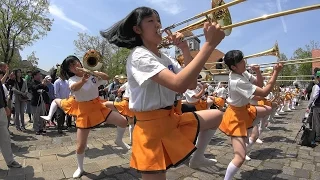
pixel 16 72
pixel 121 34
pixel 233 57
pixel 65 71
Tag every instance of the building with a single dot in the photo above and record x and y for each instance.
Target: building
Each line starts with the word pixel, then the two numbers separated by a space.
pixel 27 66
pixel 315 53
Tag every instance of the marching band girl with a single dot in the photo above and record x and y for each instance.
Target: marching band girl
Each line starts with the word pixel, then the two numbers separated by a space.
pixel 161 137
pixel 85 104
pixel 239 115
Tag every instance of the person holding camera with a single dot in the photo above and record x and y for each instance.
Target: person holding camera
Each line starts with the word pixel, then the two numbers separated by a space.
pixel 5 140
pixel 39 89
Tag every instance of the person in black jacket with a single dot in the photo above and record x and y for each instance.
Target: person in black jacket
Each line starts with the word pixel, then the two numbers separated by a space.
pixel 39 89
pixel 311 84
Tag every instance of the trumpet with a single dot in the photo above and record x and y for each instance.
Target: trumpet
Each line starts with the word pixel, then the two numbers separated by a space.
pixel 219 13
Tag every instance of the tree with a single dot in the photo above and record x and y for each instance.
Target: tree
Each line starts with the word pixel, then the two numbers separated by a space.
pixel 113 58
pixel 21 23
pixel 33 59
pixel 86 42
pixel 117 64
pixel 300 53
pixel 288 70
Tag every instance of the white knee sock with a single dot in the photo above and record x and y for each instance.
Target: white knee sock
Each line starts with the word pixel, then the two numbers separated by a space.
pixel 131 127
pixel 198 158
pixel 52 110
pixel 79 171
pixel 231 171
pixel 202 142
pixel 118 141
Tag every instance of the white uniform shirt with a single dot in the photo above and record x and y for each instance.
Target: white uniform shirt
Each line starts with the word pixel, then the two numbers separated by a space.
pixel 222 92
pixel 125 88
pixel 191 92
pixel 145 94
pixel 240 89
pixel 89 90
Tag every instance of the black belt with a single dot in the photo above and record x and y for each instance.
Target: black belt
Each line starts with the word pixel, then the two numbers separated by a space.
pixel 167 108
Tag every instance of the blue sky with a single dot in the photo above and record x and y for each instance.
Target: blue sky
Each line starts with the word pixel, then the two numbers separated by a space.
pixel 73 16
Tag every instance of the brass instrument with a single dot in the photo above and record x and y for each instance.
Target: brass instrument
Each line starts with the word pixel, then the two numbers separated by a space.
pixel 219 13
pixel 274 51
pixel 92 60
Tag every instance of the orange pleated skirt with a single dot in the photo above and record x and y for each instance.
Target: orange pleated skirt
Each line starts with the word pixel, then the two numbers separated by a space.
pixel 200 105
pixel 70 106
pixel 265 103
pixel 88 114
pixel 123 107
pixel 162 138
pixel 287 97
pixel 218 101
pixel 236 120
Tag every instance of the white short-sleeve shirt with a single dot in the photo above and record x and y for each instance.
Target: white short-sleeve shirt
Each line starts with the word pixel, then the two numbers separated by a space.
pixel 191 92
pixel 125 88
pixel 145 94
pixel 240 90
pixel 222 92
pixel 88 91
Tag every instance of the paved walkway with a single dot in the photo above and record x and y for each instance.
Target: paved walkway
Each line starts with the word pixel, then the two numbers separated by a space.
pixel 52 156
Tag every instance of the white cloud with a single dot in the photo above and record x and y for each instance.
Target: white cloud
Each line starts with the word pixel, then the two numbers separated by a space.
pixel 284 25
pixel 170 6
pixel 58 12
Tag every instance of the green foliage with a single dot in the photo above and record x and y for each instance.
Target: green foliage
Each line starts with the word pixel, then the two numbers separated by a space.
pixel 22 22
pixel 113 58
pixel 33 59
pixel 300 53
pixel 117 64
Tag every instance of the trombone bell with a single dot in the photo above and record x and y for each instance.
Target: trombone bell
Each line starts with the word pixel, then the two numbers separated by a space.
pixel 221 16
pixel 274 51
pixel 92 60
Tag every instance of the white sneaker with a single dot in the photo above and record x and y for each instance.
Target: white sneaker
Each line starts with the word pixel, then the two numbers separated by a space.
pixel 259 141
pixel 195 163
pixel 46 118
pixel 248 158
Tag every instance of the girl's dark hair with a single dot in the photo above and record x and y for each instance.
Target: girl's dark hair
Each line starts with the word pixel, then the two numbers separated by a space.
pixel 16 72
pixel 232 58
pixel 64 69
pixel 121 34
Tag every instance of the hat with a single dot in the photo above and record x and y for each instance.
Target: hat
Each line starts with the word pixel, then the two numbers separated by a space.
pixel 48 77
pixel 317 74
pixel 116 77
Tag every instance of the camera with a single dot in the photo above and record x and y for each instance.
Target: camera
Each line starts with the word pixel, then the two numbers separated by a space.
pixel 40 91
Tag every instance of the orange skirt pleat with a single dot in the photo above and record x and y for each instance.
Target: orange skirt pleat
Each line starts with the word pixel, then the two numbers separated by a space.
pixel 218 101
pixel 236 120
pixel 265 103
pixel 123 108
pixel 162 139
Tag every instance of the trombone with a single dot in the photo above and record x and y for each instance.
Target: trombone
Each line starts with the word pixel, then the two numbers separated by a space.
pixel 220 14
pixel 274 51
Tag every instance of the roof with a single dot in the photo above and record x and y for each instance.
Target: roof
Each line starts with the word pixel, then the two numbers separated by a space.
pixel 43 72
pixel 215 55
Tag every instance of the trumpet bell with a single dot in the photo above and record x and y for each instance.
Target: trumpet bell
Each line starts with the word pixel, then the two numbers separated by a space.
pixel 92 60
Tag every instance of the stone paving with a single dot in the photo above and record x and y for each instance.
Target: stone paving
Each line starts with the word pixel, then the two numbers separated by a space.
pixel 52 156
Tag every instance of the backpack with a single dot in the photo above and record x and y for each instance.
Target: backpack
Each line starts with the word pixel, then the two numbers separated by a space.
pixel 308 137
